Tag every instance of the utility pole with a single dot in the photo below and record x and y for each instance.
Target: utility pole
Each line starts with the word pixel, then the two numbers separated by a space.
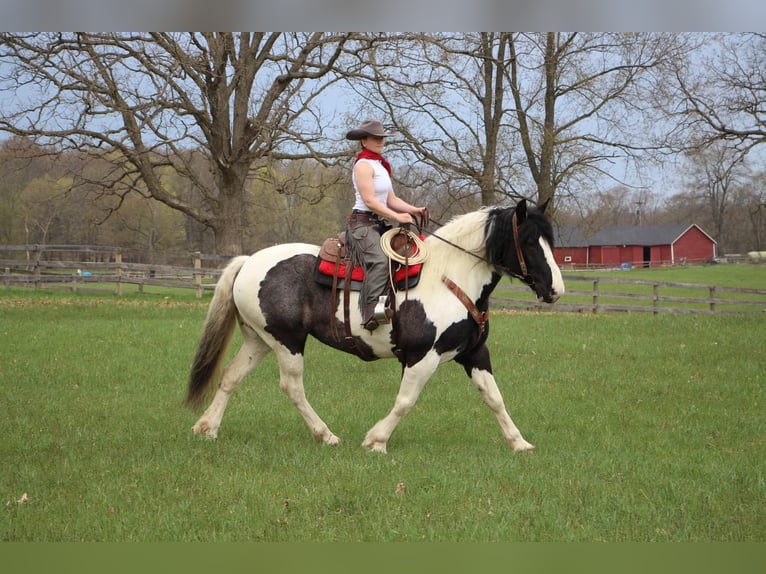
pixel 639 203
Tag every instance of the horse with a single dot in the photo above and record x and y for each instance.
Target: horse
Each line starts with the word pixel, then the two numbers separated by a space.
pixel 274 298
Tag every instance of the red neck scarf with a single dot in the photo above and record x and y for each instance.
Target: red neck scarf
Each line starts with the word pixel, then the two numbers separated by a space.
pixel 367 154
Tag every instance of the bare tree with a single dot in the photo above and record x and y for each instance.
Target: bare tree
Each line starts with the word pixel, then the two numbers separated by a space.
pixel 146 101
pixel 510 114
pixel 722 92
pixel 712 175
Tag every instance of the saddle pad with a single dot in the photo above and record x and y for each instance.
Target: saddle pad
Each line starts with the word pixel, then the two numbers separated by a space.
pixel 357 273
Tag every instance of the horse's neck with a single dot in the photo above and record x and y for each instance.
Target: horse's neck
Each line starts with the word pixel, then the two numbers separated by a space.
pixel 461 257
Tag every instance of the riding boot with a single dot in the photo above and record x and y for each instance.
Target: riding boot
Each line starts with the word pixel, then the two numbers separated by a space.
pixel 369 321
pixel 377 313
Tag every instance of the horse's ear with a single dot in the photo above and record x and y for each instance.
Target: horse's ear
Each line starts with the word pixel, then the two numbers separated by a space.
pixel 521 210
pixel 544 205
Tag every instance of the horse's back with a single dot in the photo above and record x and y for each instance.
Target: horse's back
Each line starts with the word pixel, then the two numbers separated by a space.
pixel 281 268
pixel 261 262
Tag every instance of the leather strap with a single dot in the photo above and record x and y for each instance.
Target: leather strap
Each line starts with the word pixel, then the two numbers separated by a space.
pixel 346 306
pixel 519 254
pixel 480 317
pixel 333 293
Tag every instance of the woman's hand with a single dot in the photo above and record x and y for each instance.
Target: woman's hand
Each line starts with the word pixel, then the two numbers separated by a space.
pixel 404 218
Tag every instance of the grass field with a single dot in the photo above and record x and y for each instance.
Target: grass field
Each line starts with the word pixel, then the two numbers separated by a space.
pixel 648 428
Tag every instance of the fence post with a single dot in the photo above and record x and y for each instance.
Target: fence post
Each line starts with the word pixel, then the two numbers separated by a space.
pixel 712 299
pixel 37 270
pixel 656 298
pixel 595 295
pixel 7 276
pixel 198 275
pixel 118 271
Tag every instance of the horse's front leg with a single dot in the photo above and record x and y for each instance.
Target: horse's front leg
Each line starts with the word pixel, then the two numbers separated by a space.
pixel 477 365
pixel 414 379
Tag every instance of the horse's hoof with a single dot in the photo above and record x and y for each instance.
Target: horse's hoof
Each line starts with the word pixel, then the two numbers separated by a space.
pixel 375 446
pixel 205 429
pixel 523 446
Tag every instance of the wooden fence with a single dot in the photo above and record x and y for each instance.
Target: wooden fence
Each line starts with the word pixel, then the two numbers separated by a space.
pixel 89 268
pixel 586 294
pixel 95 268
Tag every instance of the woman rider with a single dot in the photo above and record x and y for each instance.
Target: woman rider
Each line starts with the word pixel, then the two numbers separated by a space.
pixel 375 201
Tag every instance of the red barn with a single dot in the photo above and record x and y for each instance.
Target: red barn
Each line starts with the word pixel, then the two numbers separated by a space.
pixel 650 246
pixel 570 247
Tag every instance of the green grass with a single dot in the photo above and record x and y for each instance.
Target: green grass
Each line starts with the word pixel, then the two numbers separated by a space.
pixel 647 429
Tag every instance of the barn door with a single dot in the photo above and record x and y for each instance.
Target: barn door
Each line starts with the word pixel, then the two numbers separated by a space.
pixel 647 256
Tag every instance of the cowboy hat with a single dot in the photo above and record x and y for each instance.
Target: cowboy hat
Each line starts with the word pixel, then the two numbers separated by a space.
pixel 368 128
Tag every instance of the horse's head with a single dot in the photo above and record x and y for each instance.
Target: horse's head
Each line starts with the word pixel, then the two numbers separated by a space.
pixel 519 242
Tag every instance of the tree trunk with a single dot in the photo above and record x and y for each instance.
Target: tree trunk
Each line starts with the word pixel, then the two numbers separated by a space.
pixel 545 187
pixel 231 213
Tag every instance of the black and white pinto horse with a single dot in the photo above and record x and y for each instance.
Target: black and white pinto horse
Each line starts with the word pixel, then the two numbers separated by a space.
pixel 278 304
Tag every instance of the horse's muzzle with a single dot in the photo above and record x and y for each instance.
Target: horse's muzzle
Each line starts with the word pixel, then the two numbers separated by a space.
pixel 549 298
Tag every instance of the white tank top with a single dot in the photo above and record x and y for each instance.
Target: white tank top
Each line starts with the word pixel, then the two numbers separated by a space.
pixel 381 181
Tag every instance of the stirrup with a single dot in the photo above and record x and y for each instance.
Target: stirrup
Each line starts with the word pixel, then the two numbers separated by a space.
pixel 383 312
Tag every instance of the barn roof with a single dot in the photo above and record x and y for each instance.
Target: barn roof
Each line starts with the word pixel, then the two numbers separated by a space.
pixel 642 235
pixel 569 236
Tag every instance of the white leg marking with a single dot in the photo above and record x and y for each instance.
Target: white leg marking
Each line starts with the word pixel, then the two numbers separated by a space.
pixel 248 358
pixel 413 381
pixel 291 382
pixel 487 386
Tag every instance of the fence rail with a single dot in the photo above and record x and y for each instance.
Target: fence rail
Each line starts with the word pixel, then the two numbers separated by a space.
pixel 99 266
pixel 612 294
pixel 95 268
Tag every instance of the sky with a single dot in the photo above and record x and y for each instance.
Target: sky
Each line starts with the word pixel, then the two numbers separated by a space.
pixel 423 15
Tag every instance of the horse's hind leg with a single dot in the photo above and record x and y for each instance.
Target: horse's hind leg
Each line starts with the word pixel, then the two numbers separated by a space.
pixel 252 352
pixel 477 366
pixel 291 382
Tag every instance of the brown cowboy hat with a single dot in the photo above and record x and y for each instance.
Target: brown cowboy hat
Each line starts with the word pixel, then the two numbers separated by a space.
pixel 368 128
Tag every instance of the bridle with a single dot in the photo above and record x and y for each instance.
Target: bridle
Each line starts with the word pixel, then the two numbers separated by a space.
pixel 517 244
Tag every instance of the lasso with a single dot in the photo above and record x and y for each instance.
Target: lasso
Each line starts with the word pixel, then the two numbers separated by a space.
pixel 419 255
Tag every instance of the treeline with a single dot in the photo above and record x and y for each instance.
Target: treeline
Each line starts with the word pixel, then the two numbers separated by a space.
pixel 44 199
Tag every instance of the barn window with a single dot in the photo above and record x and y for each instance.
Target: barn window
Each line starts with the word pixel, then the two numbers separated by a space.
pixel 567 258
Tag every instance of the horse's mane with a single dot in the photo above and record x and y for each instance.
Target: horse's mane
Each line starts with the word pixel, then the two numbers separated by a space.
pixel 467 231
pixel 485 233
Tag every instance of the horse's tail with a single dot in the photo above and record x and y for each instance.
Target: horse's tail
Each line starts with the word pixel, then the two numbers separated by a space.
pixel 216 336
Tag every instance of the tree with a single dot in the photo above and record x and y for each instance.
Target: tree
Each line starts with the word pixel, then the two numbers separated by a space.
pixel 149 102
pixel 618 205
pixel 21 162
pixel 712 175
pixel 511 114
pixel 722 92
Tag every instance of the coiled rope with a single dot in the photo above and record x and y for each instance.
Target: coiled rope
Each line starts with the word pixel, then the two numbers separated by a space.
pixel 419 255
